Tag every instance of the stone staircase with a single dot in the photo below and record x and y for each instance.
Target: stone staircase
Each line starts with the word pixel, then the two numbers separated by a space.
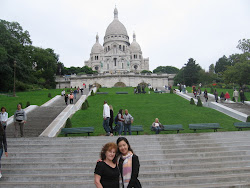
pixel 41 117
pixel 219 159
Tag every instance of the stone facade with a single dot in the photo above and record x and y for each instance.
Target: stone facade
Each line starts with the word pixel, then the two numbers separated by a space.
pixel 114 80
pixel 117 54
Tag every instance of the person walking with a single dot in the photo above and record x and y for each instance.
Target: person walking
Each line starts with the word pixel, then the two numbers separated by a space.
pixel 157 126
pixel 106 116
pixel 227 96
pixel 216 96
pixel 205 95
pixel 242 96
pixel 111 120
pixel 128 120
pixel 75 92
pixel 71 98
pixel 3 145
pixel 66 97
pixel 120 122
pixel 128 164
pixel 236 95
pixel 20 119
pixel 222 97
pixel 106 171
pixel 3 117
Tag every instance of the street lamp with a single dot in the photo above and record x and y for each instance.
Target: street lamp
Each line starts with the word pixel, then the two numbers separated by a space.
pixel 14 87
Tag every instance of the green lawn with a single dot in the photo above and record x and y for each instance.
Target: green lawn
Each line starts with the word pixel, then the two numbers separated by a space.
pixel 34 97
pixel 169 108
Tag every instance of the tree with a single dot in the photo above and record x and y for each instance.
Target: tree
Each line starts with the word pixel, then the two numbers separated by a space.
pixel 211 69
pixel 166 69
pixel 146 71
pixel 239 73
pixel 244 45
pixel 221 64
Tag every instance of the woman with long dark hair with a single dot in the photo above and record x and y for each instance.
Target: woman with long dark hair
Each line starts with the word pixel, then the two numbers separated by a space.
pixel 128 164
pixel 3 145
pixel 120 122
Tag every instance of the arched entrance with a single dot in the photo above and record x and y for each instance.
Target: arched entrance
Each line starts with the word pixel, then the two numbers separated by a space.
pixel 120 84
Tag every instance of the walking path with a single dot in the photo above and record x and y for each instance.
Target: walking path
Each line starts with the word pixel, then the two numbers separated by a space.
pixel 41 117
pixel 243 108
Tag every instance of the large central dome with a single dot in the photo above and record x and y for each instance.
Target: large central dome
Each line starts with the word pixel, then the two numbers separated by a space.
pixel 116 27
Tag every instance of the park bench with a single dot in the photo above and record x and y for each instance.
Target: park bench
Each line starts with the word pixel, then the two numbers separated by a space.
pixel 241 125
pixel 77 130
pixel 121 92
pixel 201 126
pixel 159 91
pixel 105 93
pixel 176 127
pixel 134 128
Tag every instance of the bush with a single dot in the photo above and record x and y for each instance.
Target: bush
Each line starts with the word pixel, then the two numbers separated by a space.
pixel 49 95
pixel 248 119
pixel 92 93
pixel 212 90
pixel 192 101
pixel 27 104
pixel 98 90
pixel 171 91
pixel 68 123
pixel 199 103
pixel 84 106
pixel 87 102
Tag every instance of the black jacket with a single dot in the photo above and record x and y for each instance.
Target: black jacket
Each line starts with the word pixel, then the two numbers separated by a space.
pixel 134 182
pixel 3 142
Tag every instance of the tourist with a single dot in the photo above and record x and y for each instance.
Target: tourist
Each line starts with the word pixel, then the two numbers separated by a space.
pixel 111 120
pixel 3 145
pixel 216 95
pixel 195 92
pixel 78 89
pixel 63 93
pixel 222 97
pixel 128 164
pixel 106 170
pixel 128 120
pixel 227 96
pixel 66 97
pixel 106 116
pixel 81 91
pixel 157 126
pixel 3 117
pixel 120 122
pixel 236 95
pixel 19 120
pixel 242 96
pixel 71 98
pixel 205 95
pixel 75 92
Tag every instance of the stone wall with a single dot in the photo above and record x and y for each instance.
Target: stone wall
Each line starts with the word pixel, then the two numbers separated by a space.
pixel 109 80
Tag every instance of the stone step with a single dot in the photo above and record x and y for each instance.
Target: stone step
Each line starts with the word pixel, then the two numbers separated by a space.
pixel 155 171
pixel 167 156
pixel 168 161
pixel 140 152
pixel 146 164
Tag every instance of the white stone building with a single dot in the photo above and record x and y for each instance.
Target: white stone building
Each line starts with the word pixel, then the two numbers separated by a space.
pixel 117 54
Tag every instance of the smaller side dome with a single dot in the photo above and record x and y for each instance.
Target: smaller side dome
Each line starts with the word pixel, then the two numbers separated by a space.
pixel 135 47
pixel 97 47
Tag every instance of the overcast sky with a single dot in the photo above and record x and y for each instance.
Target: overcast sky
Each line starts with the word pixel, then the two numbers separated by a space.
pixel 168 31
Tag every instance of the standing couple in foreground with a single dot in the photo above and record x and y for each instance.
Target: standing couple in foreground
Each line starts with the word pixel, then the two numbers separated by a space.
pixel 118 167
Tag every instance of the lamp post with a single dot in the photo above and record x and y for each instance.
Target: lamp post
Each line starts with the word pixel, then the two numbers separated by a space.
pixel 14 86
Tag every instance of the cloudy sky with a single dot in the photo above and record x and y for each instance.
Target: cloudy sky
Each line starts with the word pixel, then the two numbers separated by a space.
pixel 168 31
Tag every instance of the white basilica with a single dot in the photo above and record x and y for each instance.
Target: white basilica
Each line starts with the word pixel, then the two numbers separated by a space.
pixel 117 54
